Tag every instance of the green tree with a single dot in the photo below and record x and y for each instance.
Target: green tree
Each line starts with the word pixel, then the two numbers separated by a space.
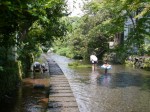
pixel 116 12
pixel 25 26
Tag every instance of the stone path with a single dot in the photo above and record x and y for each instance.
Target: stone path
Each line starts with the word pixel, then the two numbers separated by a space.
pixel 61 98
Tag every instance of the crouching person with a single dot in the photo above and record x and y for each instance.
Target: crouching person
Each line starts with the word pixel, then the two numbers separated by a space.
pixel 37 67
pixel 43 66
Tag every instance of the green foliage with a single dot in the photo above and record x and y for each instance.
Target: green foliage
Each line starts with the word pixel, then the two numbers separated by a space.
pixel 111 15
pixel 62 51
pixel 147 64
pixel 25 16
pixel 25 27
pixel 1 68
pixel 28 54
pixel 144 64
pixel 102 22
pixel 19 70
pixel 28 25
pixel 9 78
pixel 79 64
pixel 65 52
pixel 129 63
pixel 74 64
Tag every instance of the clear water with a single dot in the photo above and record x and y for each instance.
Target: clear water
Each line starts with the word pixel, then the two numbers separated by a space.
pixel 123 89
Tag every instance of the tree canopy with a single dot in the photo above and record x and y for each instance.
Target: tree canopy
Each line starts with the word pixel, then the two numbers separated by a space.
pixel 103 21
pixel 19 16
pixel 30 24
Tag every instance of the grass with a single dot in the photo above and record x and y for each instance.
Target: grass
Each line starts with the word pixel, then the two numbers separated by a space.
pixel 79 65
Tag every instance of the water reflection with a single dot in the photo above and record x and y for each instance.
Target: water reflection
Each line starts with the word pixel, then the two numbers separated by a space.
pixel 121 90
pixel 105 80
pixel 94 75
pixel 126 79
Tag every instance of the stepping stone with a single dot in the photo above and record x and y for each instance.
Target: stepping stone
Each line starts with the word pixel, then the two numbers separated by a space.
pixel 59 82
pixel 60 85
pixel 61 95
pixel 62 99
pixel 72 109
pixel 61 88
pixel 62 104
pixel 60 91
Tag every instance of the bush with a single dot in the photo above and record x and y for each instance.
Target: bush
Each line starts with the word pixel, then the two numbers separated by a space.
pixel 147 64
pixel 65 52
pixel 129 63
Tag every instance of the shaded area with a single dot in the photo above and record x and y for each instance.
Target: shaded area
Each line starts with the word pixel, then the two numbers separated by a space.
pixel 31 96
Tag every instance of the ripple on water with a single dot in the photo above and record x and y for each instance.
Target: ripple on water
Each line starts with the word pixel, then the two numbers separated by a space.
pixel 122 90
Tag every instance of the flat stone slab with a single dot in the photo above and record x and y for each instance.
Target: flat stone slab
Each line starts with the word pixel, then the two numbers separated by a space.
pixel 59 83
pixel 61 95
pixel 63 99
pixel 62 104
pixel 59 80
pixel 58 76
pixel 72 109
pixel 57 87
pixel 60 91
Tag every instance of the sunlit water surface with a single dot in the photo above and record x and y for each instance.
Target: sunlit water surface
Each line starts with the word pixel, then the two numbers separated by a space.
pixel 121 90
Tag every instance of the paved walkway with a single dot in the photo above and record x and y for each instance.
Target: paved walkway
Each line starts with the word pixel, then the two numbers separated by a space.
pixel 61 98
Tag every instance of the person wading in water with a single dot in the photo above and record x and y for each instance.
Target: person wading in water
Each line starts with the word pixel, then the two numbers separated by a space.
pixel 94 61
pixel 106 66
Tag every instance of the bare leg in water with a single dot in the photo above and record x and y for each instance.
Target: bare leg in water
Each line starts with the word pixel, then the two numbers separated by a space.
pixel 93 67
pixel 105 71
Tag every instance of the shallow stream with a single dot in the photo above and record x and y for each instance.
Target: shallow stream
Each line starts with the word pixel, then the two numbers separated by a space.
pixel 124 89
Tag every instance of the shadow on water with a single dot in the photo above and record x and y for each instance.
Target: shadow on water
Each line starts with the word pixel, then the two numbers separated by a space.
pixel 146 83
pixel 114 80
pixel 121 90
pixel 105 80
pixel 113 92
pixel 124 79
pixel 31 96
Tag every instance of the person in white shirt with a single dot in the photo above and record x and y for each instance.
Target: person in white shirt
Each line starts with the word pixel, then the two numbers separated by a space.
pixel 94 61
pixel 106 66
